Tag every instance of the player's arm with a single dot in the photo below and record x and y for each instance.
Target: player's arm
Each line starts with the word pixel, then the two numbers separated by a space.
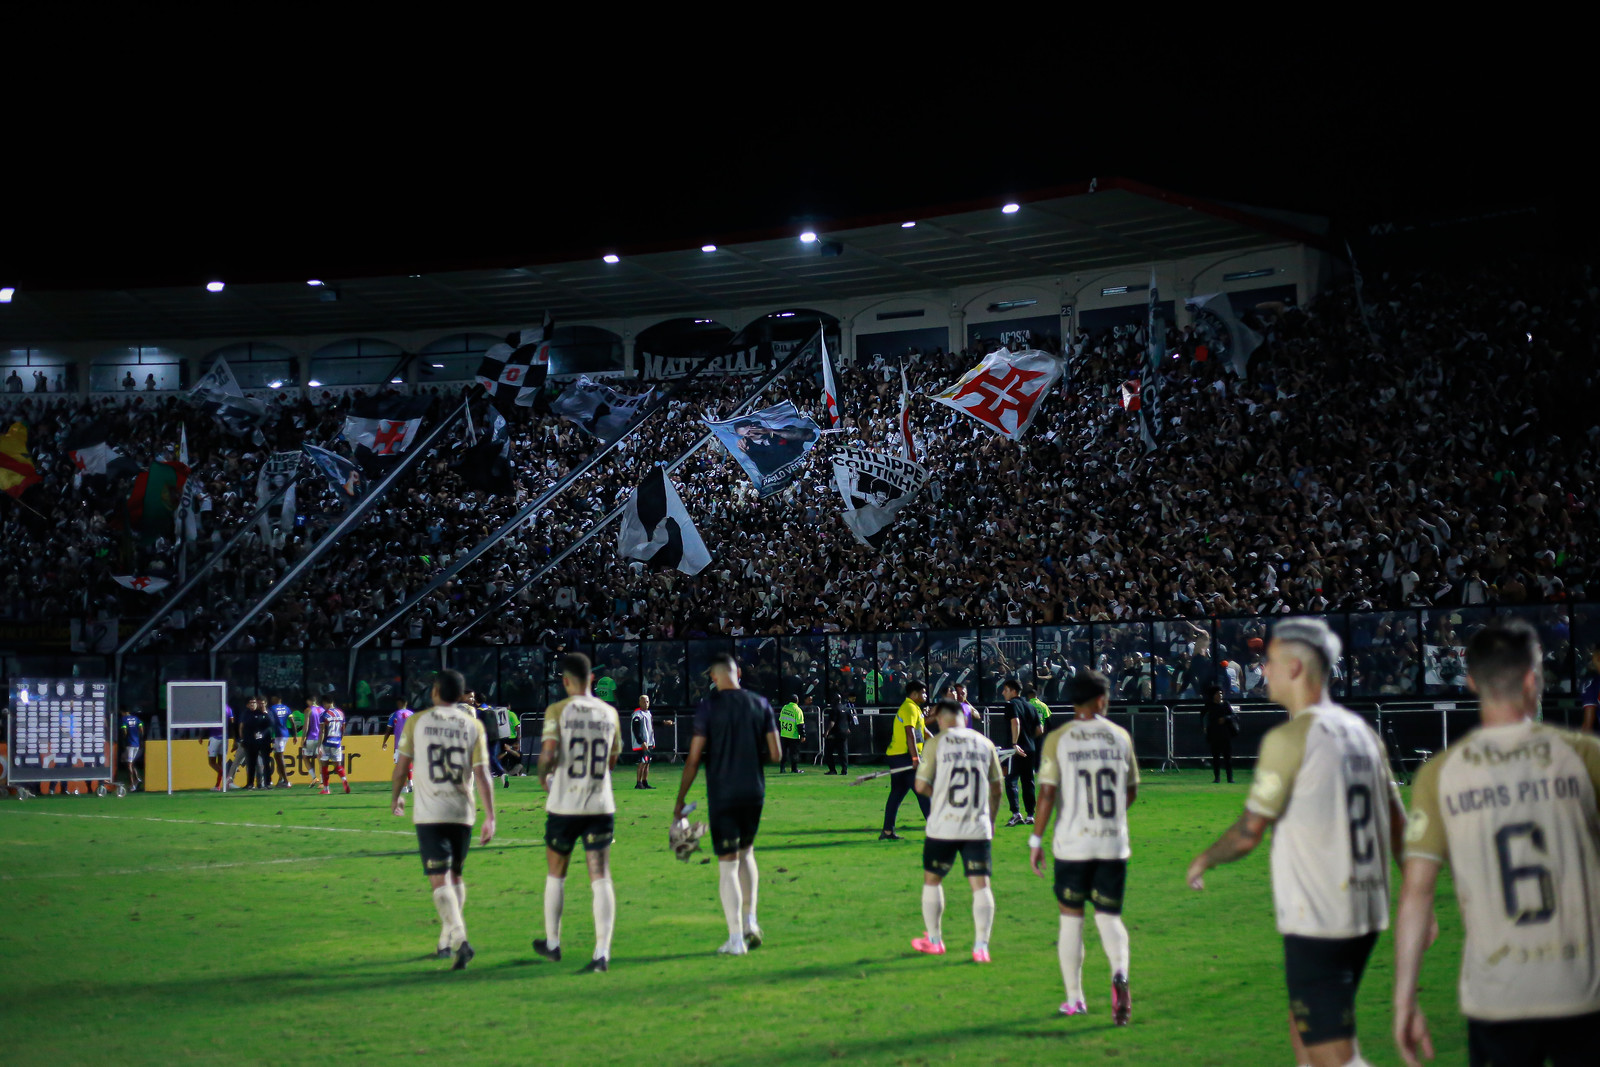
pixel 691 767
pixel 1044 808
pixel 1282 751
pixel 550 747
pixel 480 771
pixel 774 747
pixel 1236 842
pixel 1414 922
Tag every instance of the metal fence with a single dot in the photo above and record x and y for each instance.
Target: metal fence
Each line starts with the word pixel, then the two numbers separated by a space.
pixel 1390 657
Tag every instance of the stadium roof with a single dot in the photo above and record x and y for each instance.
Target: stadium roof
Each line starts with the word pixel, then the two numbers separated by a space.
pixel 1093 225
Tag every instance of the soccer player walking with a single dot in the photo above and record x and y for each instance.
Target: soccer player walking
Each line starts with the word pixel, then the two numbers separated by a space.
pixel 397 726
pixel 960 774
pixel 449 738
pixel 1511 806
pixel 1089 777
pixel 332 751
pixel 282 730
pixel 1323 779
pixel 643 730
pixel 311 742
pixel 733 729
pixel 582 738
pixel 132 730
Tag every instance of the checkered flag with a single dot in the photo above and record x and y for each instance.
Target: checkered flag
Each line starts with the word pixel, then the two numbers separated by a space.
pixel 513 372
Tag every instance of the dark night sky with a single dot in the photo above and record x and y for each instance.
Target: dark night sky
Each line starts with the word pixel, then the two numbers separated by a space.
pixel 395 176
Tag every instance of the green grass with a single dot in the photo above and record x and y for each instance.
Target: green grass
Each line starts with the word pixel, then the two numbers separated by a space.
pixel 163 929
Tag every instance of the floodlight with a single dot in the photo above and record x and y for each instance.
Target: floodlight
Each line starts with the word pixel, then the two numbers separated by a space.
pixel 1011 209
pixel 610 258
pixel 214 287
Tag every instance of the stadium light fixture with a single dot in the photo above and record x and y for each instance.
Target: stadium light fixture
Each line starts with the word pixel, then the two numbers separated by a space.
pixel 214 287
pixel 276 383
pixel 808 238
pixel 708 248
pixel 1114 290
pixel 1011 209
pixel 908 225
pixel 702 322
pixel 313 383
pixel 611 258
pixel 7 293
pixel 437 366
pixel 1241 275
pixel 313 281
pixel 397 381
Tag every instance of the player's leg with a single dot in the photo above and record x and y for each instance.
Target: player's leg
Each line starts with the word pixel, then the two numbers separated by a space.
pixel 724 828
pixel 338 766
pixel 1107 887
pixel 435 847
pixel 278 745
pixel 1323 976
pixel 460 835
pixel 1072 894
pixel 976 857
pixel 932 940
pixel 644 771
pixel 749 875
pixel 214 758
pixel 559 843
pixel 605 903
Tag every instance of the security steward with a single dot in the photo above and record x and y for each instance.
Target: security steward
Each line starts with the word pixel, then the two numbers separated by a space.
pixel 905 752
pixel 791 730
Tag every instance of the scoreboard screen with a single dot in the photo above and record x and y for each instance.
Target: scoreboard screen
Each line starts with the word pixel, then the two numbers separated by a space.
pixel 60 729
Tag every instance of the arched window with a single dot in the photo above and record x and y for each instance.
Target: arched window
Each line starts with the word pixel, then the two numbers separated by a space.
pixel 454 358
pixel 257 365
pixel 358 361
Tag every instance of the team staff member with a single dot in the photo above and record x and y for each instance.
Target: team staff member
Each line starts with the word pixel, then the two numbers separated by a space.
pixel 1221 722
pixel 905 752
pixel 1511 806
pixel 791 725
pixel 836 734
pixel 450 740
pixel 642 728
pixel 733 729
pixel 960 773
pixel 1323 779
pixel 1026 730
pixel 582 739
pixel 1040 708
pixel 255 739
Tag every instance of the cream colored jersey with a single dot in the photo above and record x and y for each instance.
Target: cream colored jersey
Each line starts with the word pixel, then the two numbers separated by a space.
pixel 1512 808
pixel 960 764
pixel 1092 766
pixel 444 743
pixel 587 732
pixel 1324 777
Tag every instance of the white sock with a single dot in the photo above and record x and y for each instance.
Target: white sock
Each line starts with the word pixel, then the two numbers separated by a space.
pixel 933 912
pixel 1358 1062
pixel 555 893
pixel 1114 937
pixel 983 915
pixel 732 897
pixel 454 929
pixel 1070 951
pixel 749 882
pixel 605 916
pixel 461 894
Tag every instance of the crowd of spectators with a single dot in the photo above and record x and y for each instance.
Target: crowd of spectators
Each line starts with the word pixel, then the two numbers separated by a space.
pixel 1439 449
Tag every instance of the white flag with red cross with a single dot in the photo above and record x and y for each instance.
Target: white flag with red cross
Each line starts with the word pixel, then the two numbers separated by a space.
pixel 1005 390
pixel 141 583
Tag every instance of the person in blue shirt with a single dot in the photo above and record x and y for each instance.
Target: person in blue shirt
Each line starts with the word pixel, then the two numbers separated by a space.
pixel 131 729
pixel 1590 701
pixel 282 730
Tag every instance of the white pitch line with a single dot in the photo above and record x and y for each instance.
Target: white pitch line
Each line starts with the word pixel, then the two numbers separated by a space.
pixel 176 867
pixel 248 825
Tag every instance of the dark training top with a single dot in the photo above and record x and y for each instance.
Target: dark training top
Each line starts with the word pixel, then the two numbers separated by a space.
pixel 1017 708
pixel 735 724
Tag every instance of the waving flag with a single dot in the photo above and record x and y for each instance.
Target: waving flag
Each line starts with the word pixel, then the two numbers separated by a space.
pixel 275 473
pixel 908 450
pixel 486 463
pixel 1149 407
pixel 86 447
pixel 597 409
pixel 155 497
pixel 875 487
pixel 17 472
pixel 771 445
pixel 830 394
pixel 1215 321
pixel 657 529
pixel 342 474
pixel 380 428
pixel 141 583
pixel 514 372
pixel 1004 391
pixel 218 392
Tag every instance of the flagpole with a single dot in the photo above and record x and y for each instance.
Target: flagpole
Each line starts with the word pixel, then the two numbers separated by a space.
pixel 529 510
pixel 616 513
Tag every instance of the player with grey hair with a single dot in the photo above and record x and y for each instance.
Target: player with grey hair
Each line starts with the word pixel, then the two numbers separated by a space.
pixel 1330 848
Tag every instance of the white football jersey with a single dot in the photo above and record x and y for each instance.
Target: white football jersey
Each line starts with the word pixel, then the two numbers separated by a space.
pixel 444 743
pixel 587 733
pixel 960 764
pixel 1091 764
pixel 1324 777
pixel 1512 808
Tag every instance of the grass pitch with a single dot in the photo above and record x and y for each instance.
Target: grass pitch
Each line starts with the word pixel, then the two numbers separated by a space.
pixel 289 927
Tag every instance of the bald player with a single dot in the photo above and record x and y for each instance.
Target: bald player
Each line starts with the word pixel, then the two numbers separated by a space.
pixel 960 775
pixel 1511 808
pixel 1330 845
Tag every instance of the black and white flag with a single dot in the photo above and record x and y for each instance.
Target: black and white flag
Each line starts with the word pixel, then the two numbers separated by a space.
pixel 657 529
pixel 514 371
pixel 218 392
pixel 342 474
pixel 1215 321
pixel 275 473
pixel 875 487
pixel 597 409
pixel 1150 382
